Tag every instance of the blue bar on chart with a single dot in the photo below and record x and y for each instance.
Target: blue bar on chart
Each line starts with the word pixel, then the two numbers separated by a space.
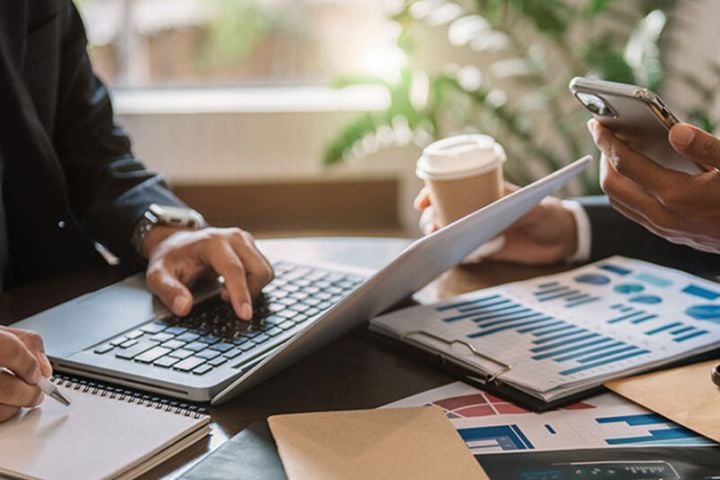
pixel 701 292
pixel 608 267
pixel 477 301
pixel 653 279
pixel 496 438
pixel 605 361
pixel 661 432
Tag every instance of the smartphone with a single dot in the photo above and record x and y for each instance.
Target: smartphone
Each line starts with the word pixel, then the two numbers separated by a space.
pixel 637 116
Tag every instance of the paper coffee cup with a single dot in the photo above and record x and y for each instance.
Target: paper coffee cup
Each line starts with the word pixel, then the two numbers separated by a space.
pixel 463 173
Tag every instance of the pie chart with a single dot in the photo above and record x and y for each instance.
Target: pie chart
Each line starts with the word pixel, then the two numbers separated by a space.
pixel 708 313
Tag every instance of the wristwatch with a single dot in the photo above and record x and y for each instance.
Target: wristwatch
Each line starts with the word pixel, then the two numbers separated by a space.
pixel 182 218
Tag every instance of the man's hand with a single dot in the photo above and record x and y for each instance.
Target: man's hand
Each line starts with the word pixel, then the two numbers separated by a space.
pixel 176 258
pixel 681 208
pixel 21 352
pixel 547 234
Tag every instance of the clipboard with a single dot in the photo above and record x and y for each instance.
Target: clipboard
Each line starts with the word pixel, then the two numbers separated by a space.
pixel 493 384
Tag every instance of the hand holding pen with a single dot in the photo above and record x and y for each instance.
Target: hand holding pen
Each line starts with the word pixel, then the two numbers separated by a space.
pixel 25 371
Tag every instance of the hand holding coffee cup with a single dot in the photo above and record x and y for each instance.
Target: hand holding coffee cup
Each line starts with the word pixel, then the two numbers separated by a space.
pixel 463 173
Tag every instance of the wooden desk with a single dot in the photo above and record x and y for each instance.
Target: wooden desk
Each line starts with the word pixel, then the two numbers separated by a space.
pixel 354 372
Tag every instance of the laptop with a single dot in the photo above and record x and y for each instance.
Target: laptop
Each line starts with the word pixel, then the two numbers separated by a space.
pixel 123 335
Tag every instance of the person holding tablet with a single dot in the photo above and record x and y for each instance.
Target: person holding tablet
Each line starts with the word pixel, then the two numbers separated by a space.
pixel 650 212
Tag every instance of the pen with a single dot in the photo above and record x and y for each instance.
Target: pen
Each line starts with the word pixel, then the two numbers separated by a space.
pixel 51 390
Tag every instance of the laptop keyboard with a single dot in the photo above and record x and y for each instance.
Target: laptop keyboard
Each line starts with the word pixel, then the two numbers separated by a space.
pixel 212 335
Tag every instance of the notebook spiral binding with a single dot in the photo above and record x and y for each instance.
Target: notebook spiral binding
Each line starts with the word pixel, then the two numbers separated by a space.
pixel 129 395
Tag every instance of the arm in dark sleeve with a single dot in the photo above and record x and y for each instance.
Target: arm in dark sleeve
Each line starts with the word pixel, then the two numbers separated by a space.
pixel 109 188
pixel 614 234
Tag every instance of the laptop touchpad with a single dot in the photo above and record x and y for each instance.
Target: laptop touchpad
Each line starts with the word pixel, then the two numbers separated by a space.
pixel 95 317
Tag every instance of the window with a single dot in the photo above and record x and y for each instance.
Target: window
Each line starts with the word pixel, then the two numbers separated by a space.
pixel 140 43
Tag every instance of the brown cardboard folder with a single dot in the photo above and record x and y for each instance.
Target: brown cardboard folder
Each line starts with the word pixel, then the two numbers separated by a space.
pixel 685 395
pixel 394 443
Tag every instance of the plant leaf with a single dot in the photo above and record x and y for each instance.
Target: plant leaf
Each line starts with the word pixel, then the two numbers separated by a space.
pixel 597 6
pixel 642 52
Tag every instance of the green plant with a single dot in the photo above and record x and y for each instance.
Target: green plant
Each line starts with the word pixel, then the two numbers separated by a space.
pixel 514 86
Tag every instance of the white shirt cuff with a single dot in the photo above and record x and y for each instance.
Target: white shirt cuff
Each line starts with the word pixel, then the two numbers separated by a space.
pixel 584 232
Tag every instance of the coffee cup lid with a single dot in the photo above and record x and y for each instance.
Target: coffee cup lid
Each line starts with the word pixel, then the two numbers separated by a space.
pixel 459 156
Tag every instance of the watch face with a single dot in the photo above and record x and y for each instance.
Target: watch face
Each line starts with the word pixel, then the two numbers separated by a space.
pixel 177 216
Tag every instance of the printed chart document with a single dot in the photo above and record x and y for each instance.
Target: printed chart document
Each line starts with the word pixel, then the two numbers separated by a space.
pixel 685 395
pixel 101 435
pixel 490 425
pixel 559 335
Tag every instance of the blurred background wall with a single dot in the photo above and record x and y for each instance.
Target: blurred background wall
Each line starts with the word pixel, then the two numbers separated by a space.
pixel 234 100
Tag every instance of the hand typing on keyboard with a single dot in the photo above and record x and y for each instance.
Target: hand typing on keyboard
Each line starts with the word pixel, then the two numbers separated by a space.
pixel 177 258
pixel 212 337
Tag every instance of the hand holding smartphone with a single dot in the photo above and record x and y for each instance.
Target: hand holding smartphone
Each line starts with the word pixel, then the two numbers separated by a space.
pixel 637 116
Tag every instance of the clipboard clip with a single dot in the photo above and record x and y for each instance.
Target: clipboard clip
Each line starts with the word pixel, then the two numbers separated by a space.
pixel 490 378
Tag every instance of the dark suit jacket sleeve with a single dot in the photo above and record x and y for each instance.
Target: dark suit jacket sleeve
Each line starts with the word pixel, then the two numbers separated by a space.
pixel 109 188
pixel 614 234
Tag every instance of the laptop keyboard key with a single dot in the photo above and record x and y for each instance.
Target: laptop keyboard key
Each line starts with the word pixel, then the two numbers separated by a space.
pixel 210 339
pixel 175 330
pixel 135 334
pixel 173 344
pixel 132 352
pixel 166 361
pixel 261 338
pixel 181 353
pixel 222 347
pixel 128 343
pixel 104 348
pixel 152 354
pixel 118 341
pixel 274 331
pixel 207 354
pixel 233 353
pixel 188 364
pixel 202 369
pixel 161 337
pixel 286 325
pixel 217 361
pixel 196 346
pixel 154 327
pixel 187 337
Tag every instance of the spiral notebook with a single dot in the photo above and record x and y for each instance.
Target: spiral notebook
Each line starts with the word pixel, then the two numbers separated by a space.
pixel 105 433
